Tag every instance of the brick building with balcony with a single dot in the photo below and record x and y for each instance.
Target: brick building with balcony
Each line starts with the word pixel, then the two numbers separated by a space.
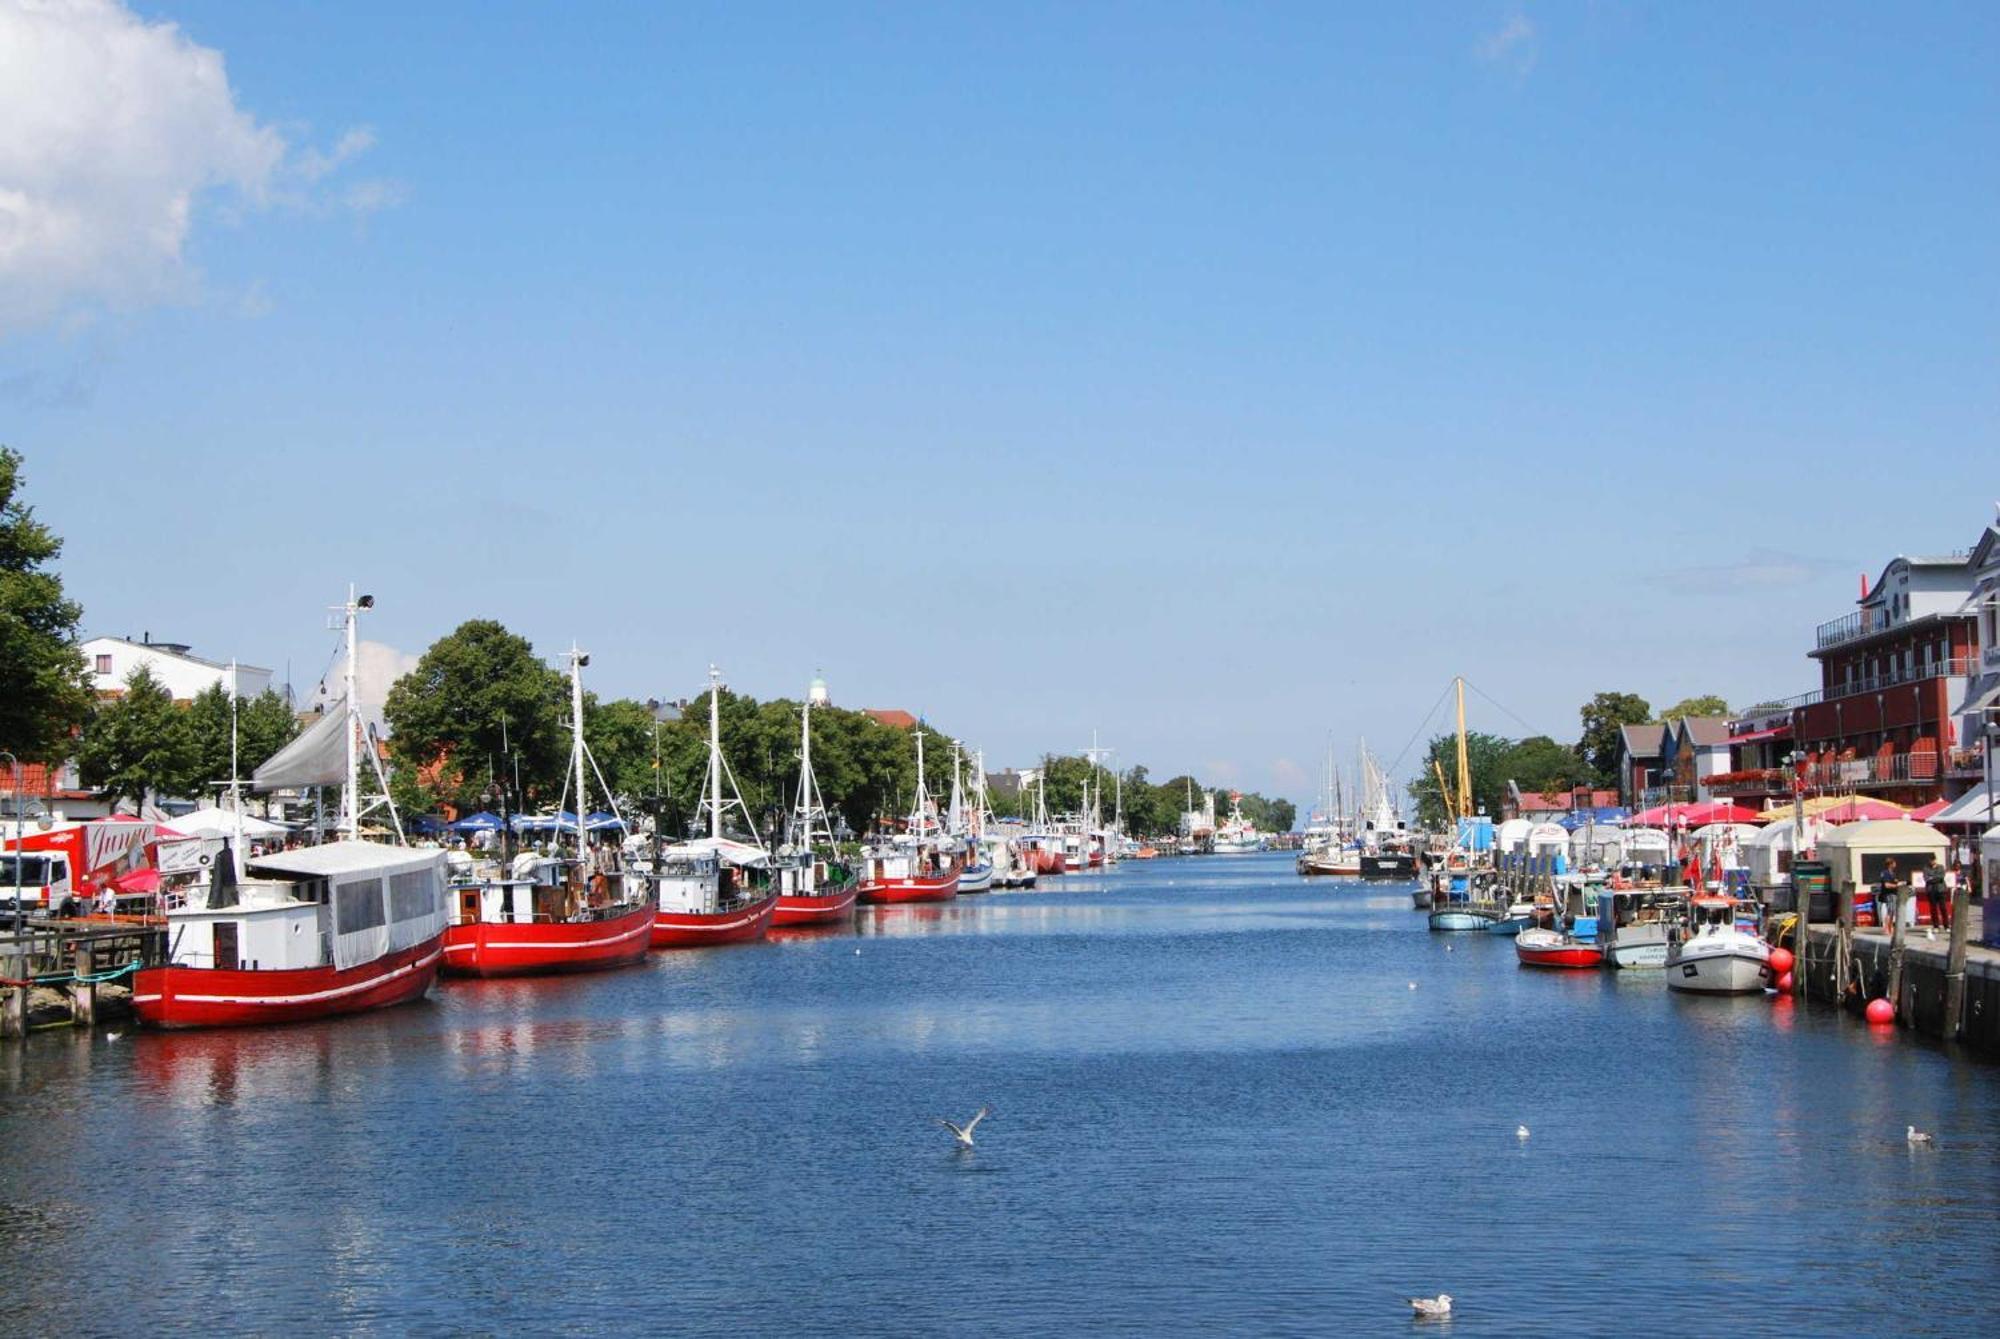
pixel 1893 676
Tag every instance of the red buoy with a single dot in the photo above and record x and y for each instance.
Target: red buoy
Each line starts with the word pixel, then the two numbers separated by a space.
pixel 1781 961
pixel 1785 982
pixel 1881 1011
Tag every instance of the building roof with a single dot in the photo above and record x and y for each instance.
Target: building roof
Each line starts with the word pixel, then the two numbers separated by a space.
pixel 39 781
pixel 901 720
pixel 1644 740
pixel 1541 802
pixel 176 651
pixel 1704 731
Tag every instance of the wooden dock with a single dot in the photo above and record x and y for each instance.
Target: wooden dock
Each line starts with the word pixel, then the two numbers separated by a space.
pixel 1925 987
pixel 53 970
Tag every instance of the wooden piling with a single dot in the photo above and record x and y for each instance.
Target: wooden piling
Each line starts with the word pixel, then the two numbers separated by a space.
pixel 1954 962
pixel 82 991
pixel 14 999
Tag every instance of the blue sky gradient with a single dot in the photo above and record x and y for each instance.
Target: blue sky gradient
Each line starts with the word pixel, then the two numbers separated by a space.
pixel 1217 377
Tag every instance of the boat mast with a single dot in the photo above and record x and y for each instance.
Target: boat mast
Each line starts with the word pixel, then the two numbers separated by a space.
pixel 715 753
pixel 1464 771
pixel 350 799
pixel 577 660
pixel 957 821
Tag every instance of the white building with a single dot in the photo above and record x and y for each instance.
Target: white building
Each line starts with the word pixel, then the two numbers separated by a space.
pixel 111 661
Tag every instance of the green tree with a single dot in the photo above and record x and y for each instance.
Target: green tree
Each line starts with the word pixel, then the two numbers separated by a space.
pixel 264 724
pixel 478 704
pixel 44 691
pixel 1486 760
pixel 139 747
pixel 1710 705
pixel 620 734
pixel 1603 717
pixel 1538 763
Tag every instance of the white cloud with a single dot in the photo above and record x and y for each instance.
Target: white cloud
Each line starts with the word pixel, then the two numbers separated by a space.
pixel 1759 569
pixel 1512 45
pixel 114 133
pixel 377 666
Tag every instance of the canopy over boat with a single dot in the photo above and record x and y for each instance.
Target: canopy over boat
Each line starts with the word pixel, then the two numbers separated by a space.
pixel 214 822
pixel 741 855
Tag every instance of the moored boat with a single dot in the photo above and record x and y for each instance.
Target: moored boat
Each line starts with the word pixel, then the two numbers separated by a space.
pixel 583 912
pixel 1633 924
pixel 916 866
pixel 713 890
pixel 1536 947
pixel 813 888
pixel 1714 954
pixel 312 933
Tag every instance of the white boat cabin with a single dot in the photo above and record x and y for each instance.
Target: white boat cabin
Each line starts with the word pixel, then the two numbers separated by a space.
pixel 339 905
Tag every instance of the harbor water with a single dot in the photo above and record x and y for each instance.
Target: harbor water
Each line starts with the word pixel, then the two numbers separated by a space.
pixel 1226 1099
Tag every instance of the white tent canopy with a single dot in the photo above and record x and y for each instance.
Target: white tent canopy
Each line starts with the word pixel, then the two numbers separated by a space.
pixel 1968 810
pixel 213 822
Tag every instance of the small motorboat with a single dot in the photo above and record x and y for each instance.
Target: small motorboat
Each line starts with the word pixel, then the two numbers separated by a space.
pixel 1537 947
pixel 1715 953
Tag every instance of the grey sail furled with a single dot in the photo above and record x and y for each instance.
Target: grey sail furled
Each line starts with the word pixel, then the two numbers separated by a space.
pixel 316 758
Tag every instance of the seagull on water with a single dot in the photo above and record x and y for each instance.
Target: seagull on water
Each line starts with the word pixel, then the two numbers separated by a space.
pixel 963 1133
pixel 1520 1132
pixel 1918 1138
pixel 1431 1307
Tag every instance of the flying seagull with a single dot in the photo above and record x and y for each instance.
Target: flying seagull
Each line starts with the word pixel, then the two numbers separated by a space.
pixel 1431 1307
pixel 963 1133
pixel 1918 1138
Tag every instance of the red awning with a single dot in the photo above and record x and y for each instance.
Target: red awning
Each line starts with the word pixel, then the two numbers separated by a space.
pixel 1757 736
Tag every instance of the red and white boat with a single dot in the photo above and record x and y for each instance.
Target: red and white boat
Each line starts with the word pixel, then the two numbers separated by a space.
pixel 714 890
pixel 583 912
pixel 908 871
pixel 616 937
pixel 313 933
pixel 915 866
pixel 1552 948
pixel 811 889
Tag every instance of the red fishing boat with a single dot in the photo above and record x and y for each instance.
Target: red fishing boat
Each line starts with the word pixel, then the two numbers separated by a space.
pixel 313 933
pixel 616 938
pixel 736 922
pixel 811 889
pixel 581 912
pixel 907 874
pixel 1552 948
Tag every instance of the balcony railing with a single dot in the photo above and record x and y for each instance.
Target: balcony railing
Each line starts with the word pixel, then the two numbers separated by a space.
pixel 1956 667
pixel 1754 781
pixel 1849 627
pixel 1897 769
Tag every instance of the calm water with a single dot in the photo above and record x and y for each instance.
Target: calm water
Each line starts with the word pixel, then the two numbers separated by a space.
pixel 1220 1104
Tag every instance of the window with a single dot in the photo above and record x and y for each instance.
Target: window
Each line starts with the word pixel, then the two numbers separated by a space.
pixel 357 905
pixel 412 895
pixel 103 664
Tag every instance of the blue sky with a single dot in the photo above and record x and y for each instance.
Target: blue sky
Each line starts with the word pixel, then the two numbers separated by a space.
pixel 1221 378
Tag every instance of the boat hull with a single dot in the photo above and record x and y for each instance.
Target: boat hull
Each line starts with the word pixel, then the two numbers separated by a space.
pixel 1697 969
pixel 704 929
pixel 542 949
pixel 1420 898
pixel 1639 955
pixel 975 880
pixel 1458 918
pixel 814 908
pixel 203 997
pixel 890 892
pixel 1388 867
pixel 1546 948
